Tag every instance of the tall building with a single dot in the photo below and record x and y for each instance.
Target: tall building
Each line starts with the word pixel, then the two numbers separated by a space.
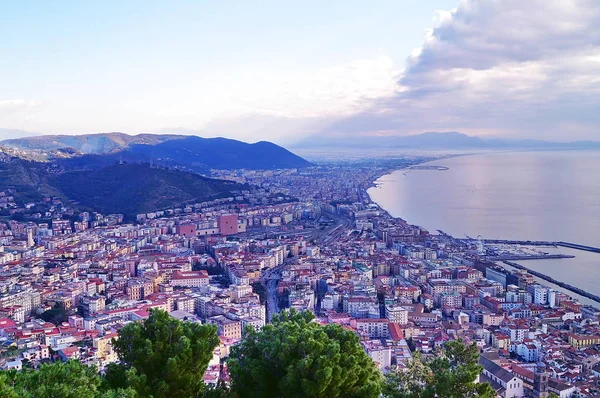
pixel 227 224
pixel 30 241
pixel 187 230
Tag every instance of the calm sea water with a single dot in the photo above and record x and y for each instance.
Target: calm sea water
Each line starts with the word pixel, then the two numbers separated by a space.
pixel 525 195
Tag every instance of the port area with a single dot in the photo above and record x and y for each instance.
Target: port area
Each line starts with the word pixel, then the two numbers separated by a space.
pixel 431 167
pixel 491 251
pixel 537 243
pixel 515 252
pixel 564 285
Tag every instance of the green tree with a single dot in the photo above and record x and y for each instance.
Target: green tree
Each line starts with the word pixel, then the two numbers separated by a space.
pixel 163 357
pixel 409 382
pixel 6 389
pixel 55 315
pixel 451 373
pixel 58 380
pixel 296 357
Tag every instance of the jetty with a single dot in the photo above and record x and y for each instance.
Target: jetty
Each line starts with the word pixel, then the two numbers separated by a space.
pixel 564 285
pixel 579 247
pixel 502 257
pixel 548 243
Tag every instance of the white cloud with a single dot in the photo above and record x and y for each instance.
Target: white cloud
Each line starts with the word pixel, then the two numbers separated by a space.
pixel 528 68
pixel 333 91
pixel 286 106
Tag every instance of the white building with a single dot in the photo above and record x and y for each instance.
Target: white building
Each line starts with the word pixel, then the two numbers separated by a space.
pixel 506 384
pixel 396 314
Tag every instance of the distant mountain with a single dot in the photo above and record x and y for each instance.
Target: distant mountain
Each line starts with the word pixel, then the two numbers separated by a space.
pixel 87 143
pixel 440 140
pixel 137 188
pixel 15 133
pixel 221 153
pixel 196 153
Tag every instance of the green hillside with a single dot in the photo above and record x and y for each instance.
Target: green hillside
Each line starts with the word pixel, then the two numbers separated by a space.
pixel 28 179
pixel 137 188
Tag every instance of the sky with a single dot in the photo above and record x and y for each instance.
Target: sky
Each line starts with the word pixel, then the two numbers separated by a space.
pixel 291 71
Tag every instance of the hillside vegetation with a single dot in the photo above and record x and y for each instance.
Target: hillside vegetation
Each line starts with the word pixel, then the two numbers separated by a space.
pixel 137 188
pixel 128 189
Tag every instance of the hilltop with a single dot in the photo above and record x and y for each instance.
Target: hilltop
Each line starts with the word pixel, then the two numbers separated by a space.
pixel 195 153
pixel 101 143
pixel 222 153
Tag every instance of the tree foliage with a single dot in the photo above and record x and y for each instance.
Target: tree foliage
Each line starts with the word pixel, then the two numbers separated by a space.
pixel 163 357
pixel 58 380
pixel 295 357
pixel 55 315
pixel 451 373
pixel 409 382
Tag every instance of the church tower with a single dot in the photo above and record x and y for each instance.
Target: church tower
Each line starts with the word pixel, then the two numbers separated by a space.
pixel 540 382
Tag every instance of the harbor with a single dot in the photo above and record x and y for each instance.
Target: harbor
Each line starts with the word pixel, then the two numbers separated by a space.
pixel 564 285
pixel 508 251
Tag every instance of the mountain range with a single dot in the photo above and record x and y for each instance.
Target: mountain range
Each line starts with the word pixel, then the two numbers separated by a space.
pixel 440 141
pixel 130 174
pixel 90 151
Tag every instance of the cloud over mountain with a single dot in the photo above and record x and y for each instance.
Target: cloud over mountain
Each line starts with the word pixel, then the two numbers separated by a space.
pixel 528 68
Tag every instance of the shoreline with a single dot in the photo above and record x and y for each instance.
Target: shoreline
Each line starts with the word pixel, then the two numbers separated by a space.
pixel 569 287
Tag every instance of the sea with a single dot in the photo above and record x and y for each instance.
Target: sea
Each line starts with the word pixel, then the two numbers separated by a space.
pixel 552 196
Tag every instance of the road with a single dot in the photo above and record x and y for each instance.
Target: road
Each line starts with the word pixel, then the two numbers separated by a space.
pixel 270 278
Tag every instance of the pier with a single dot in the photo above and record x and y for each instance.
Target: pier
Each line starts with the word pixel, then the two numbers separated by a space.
pixel 564 285
pixel 578 247
pixel 503 257
pixel 520 242
pixel 569 245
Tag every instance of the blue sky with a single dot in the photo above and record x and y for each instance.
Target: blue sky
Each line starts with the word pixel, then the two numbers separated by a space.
pixel 285 70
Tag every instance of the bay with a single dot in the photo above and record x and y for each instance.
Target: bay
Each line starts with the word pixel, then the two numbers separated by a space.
pixel 551 196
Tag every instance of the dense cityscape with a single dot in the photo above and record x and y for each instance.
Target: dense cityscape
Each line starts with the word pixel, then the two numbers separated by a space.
pixel 290 199
pixel 307 239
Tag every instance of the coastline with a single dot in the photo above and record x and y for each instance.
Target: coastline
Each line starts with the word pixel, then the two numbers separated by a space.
pixel 541 274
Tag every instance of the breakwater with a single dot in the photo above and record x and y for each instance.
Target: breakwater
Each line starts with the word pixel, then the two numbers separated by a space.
pixel 545 277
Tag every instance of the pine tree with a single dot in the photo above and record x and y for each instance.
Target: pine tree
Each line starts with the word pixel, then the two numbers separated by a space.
pixel 296 357
pixel 163 357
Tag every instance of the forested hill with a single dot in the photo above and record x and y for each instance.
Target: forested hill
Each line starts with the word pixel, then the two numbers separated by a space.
pixel 137 188
pixel 127 189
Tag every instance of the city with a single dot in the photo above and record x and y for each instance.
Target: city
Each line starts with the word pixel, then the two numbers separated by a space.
pixel 67 287
pixel 289 199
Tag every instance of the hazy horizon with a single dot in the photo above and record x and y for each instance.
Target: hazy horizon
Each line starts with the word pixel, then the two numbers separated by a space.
pixel 285 72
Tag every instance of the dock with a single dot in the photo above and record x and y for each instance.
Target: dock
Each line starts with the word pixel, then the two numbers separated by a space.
pixel 564 285
pixel 569 245
pixel 517 257
pixel 579 247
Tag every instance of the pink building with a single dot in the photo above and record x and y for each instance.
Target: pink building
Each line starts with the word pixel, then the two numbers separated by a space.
pixel 228 224
pixel 187 230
